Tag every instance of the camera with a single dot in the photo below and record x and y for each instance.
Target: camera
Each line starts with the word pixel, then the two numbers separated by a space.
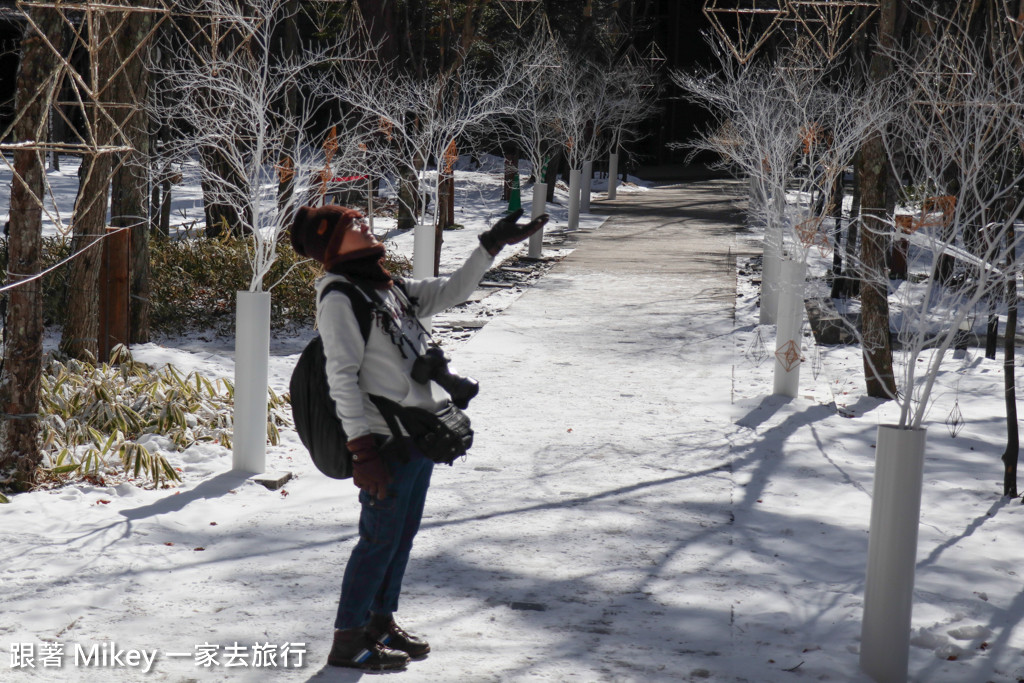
pixel 433 365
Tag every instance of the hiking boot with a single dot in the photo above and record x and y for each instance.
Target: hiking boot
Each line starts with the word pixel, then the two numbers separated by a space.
pixel 385 631
pixel 354 648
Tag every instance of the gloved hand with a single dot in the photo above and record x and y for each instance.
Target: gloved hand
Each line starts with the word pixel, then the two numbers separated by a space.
pixel 369 471
pixel 506 231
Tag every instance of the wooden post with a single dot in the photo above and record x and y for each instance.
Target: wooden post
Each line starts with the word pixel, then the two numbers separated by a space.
pixel 113 291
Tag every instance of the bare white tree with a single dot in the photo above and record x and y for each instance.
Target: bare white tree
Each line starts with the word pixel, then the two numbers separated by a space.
pixel 530 125
pixel 754 133
pixel 240 104
pixel 579 97
pixel 426 117
pixel 223 95
pixel 791 126
pixel 959 147
pixel 635 92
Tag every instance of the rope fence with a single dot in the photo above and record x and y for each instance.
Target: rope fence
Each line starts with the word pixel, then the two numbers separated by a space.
pixel 32 277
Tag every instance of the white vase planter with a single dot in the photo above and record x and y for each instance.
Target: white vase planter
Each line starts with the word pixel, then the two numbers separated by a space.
pixel 892 553
pixel 613 174
pixel 585 187
pixel 423 251
pixel 574 199
pixel 771 264
pixel 790 323
pixel 538 207
pixel 252 355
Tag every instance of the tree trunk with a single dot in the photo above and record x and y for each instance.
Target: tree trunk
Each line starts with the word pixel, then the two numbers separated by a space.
pixel 130 182
pixel 1010 455
pixel 81 327
pixel 837 229
pixel 20 454
pixel 56 134
pixel 222 214
pixel 991 330
pixel 511 171
pixel 381 25
pixel 289 47
pixel 408 199
pixel 445 215
pixel 874 181
pixel 551 173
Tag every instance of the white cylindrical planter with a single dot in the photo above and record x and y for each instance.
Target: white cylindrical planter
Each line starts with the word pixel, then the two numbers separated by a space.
pixel 574 200
pixel 585 187
pixel 613 174
pixel 540 194
pixel 252 356
pixel 790 323
pixel 892 553
pixel 423 251
pixel 771 264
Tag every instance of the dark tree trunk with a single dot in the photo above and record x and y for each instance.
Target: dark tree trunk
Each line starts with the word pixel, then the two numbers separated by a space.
pixel 991 330
pixel 551 175
pixel 1010 455
pixel 165 207
pixel 445 215
pixel 408 199
pixel 511 171
pixel 81 327
pixel 130 181
pixel 289 47
pixel 837 230
pixel 874 181
pixel 221 213
pixel 56 129
pixel 379 16
pixel 20 453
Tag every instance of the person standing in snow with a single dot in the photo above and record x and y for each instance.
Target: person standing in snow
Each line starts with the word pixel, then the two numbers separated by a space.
pixel 392 489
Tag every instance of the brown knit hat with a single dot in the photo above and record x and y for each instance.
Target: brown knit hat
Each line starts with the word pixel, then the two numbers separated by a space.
pixel 317 232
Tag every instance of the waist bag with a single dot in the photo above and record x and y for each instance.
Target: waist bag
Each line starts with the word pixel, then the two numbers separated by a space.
pixel 442 436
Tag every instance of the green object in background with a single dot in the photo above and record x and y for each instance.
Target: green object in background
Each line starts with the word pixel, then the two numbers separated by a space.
pixel 515 201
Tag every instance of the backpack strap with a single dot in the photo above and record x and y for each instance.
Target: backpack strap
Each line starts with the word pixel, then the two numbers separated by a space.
pixel 361 306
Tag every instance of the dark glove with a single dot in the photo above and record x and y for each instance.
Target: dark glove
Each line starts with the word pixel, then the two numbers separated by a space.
pixel 506 231
pixel 369 471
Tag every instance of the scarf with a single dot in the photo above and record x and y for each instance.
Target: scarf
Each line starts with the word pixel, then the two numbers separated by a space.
pixel 365 265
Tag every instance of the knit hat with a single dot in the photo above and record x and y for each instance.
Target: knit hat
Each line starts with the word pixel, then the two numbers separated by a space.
pixel 317 232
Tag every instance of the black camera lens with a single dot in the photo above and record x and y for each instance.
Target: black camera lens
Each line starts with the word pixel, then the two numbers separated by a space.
pixel 460 389
pixel 433 365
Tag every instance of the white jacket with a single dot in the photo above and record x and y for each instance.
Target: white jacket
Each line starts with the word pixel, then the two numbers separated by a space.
pixel 356 368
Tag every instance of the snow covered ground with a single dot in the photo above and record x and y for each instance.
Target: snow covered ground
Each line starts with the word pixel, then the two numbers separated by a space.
pixel 637 506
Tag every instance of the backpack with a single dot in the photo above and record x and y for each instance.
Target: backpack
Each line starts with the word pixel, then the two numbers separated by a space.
pixel 313 409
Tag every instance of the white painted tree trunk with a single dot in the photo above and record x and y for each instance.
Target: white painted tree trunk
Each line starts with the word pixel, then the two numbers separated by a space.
pixel 585 187
pixel 574 199
pixel 790 323
pixel 252 357
pixel 892 553
pixel 423 251
pixel 771 264
pixel 540 195
pixel 613 174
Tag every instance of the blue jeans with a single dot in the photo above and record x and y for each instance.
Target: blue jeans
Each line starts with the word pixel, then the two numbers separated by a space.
pixel 373 576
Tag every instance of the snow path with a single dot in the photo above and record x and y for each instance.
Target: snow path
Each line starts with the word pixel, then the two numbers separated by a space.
pixel 607 477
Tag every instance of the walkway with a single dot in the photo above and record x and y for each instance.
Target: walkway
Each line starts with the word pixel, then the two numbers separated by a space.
pixel 603 490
